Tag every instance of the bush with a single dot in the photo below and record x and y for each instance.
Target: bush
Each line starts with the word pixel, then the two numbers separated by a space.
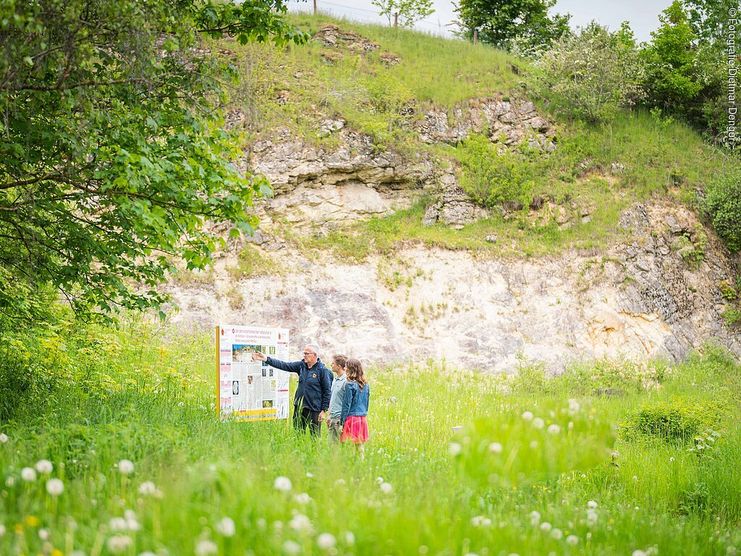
pixel 591 74
pixel 491 177
pixel 674 420
pixel 723 206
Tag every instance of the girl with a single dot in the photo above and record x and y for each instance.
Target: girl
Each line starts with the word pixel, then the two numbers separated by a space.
pixel 355 406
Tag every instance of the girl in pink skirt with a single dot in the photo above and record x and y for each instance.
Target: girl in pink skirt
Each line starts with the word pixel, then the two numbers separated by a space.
pixel 355 406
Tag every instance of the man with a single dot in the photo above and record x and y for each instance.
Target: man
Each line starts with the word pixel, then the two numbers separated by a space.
pixel 314 387
pixel 334 423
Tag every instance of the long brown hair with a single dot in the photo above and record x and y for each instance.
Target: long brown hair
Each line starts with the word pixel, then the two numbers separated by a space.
pixel 341 360
pixel 354 371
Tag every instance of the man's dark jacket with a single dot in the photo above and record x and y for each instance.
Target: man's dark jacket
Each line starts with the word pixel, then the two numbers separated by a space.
pixel 314 385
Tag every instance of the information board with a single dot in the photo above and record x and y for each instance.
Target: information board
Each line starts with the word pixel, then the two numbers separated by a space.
pixel 248 390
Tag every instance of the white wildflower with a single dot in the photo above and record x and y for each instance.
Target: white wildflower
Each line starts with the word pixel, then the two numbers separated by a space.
pixel 283 484
pixel 545 526
pixel 574 407
pixel 125 467
pixel 226 527
pixel 326 541
pixel 117 524
pixel 534 518
pixel 10 481
pixel 132 523
pixel 591 517
pixel 556 534
pixel 538 423
pixel 573 540
pixel 301 523
pixel 454 449
pixel 3 438
pixel 206 547
pixel 55 487
pixel 291 548
pixel 386 488
pixel 44 466
pixel 379 480
pixel 118 544
pixel 592 505
pixel 495 448
pixel 303 498
pixel 44 534
pixel 28 474
pixel 148 488
pixel 349 538
pixel 554 429
pixel 527 415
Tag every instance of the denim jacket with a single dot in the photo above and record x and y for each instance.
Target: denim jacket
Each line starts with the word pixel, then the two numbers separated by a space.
pixel 356 400
pixel 314 385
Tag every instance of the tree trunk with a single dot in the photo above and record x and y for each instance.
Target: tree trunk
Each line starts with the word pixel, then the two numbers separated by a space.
pixel 396 19
pixel 315 7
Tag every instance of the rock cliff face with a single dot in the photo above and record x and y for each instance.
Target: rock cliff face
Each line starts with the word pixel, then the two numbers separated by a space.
pixel 645 298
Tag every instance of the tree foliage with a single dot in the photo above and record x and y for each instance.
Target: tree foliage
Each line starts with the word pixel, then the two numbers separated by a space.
pixel 506 23
pixel 113 157
pixel 672 76
pixel 404 12
pixel 591 74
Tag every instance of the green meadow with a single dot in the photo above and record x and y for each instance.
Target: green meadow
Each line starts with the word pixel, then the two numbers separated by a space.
pixel 112 446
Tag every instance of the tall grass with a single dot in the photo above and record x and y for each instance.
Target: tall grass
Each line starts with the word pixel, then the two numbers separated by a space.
pixel 466 463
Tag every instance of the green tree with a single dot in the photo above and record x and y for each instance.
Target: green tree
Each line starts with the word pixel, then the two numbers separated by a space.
pixel 113 156
pixel 591 74
pixel 404 12
pixel 506 23
pixel 672 80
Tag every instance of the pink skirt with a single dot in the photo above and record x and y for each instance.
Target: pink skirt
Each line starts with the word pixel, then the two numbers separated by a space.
pixel 355 429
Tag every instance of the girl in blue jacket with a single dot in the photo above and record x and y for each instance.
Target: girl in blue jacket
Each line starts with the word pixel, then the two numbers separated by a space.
pixel 355 405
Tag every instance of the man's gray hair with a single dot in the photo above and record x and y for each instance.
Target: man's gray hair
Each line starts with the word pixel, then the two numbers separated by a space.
pixel 314 348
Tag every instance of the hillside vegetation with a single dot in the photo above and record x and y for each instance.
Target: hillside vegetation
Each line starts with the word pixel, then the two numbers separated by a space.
pixel 636 156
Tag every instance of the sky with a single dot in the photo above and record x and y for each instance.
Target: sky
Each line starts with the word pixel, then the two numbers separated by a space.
pixel 643 15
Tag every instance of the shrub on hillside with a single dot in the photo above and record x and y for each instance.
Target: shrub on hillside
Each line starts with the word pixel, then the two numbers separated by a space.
pixel 591 74
pixel 491 177
pixel 723 206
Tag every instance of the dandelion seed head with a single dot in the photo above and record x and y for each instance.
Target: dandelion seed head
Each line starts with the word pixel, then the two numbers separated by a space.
pixel 592 505
pixel 3 438
pixel 44 534
pixel 326 541
pixel 205 547
pixel 538 423
pixel 545 526
pixel 534 518
pixel 386 488
pixel 118 544
pixel 495 448
pixel 554 429
pixel 349 538
pixel 573 540
pixel 283 484
pixel 54 487
pixel 527 415
pixel 125 467
pixel 301 523
pixel 291 547
pixel 454 449
pixel 302 498
pixel 44 466
pixel 225 527
pixel 556 533
pixel 10 481
pixel 28 474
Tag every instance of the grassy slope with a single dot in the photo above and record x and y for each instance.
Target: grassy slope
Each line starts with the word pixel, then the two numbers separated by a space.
pixel 664 159
pixel 144 397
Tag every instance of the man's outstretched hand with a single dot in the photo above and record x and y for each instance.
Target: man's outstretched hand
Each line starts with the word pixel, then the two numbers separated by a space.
pixel 257 356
